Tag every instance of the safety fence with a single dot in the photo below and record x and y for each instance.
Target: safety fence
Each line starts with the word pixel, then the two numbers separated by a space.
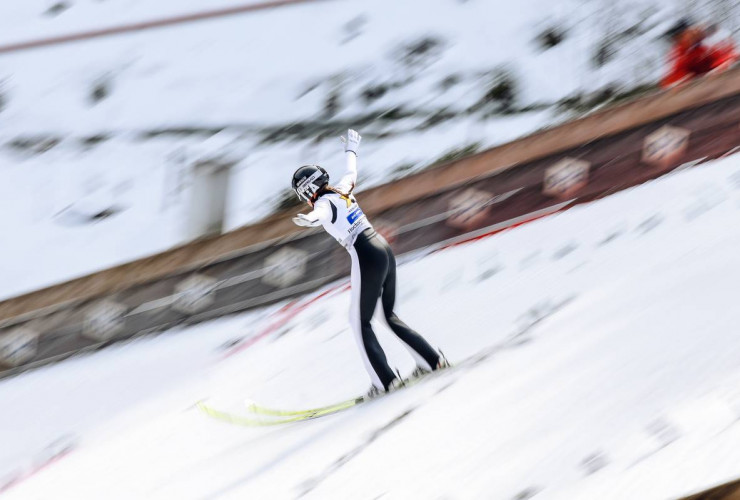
pixel 728 491
pixel 149 24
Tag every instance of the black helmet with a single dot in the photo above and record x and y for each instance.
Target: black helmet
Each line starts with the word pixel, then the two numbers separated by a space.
pixel 308 180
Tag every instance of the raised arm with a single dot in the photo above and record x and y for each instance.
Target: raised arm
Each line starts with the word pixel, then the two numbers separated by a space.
pixel 351 145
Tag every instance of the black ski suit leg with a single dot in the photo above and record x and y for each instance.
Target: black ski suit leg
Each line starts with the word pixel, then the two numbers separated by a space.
pixel 369 268
pixel 423 353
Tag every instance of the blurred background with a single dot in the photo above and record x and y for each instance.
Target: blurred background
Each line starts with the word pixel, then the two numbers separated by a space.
pixel 558 178
pixel 102 133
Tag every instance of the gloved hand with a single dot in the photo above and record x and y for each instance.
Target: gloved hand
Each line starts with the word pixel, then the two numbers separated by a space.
pixel 304 221
pixel 352 141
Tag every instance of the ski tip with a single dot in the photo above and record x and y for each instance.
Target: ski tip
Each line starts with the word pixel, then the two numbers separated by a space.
pixel 204 407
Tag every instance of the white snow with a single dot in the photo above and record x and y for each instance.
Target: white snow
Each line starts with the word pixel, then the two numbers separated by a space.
pixel 248 72
pixel 623 382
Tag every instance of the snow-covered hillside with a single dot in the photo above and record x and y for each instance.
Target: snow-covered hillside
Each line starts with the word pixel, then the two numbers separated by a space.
pixel 613 374
pixel 281 66
pixel 94 135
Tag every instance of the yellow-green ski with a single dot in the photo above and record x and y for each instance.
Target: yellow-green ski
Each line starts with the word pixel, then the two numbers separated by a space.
pixel 274 412
pixel 322 410
pixel 275 416
pixel 249 421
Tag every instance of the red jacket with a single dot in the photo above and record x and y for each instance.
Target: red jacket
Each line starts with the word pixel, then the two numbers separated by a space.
pixel 690 57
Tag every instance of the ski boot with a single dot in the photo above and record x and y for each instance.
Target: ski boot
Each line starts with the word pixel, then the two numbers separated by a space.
pixel 420 371
pixel 442 363
pixel 375 392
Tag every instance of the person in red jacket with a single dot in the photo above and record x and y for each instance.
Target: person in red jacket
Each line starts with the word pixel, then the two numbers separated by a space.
pixel 723 50
pixel 692 57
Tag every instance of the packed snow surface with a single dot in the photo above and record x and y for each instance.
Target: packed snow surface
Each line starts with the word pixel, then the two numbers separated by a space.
pixel 607 368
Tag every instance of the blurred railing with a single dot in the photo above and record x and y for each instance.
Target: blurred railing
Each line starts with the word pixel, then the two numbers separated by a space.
pixel 728 491
pixel 147 25
pixel 256 265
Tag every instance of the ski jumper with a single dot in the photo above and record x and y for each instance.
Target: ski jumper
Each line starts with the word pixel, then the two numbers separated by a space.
pixel 373 277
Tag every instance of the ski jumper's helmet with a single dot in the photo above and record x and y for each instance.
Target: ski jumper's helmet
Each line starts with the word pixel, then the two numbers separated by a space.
pixel 308 180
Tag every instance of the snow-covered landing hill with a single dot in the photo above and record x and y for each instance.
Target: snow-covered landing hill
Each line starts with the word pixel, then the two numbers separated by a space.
pixel 622 382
